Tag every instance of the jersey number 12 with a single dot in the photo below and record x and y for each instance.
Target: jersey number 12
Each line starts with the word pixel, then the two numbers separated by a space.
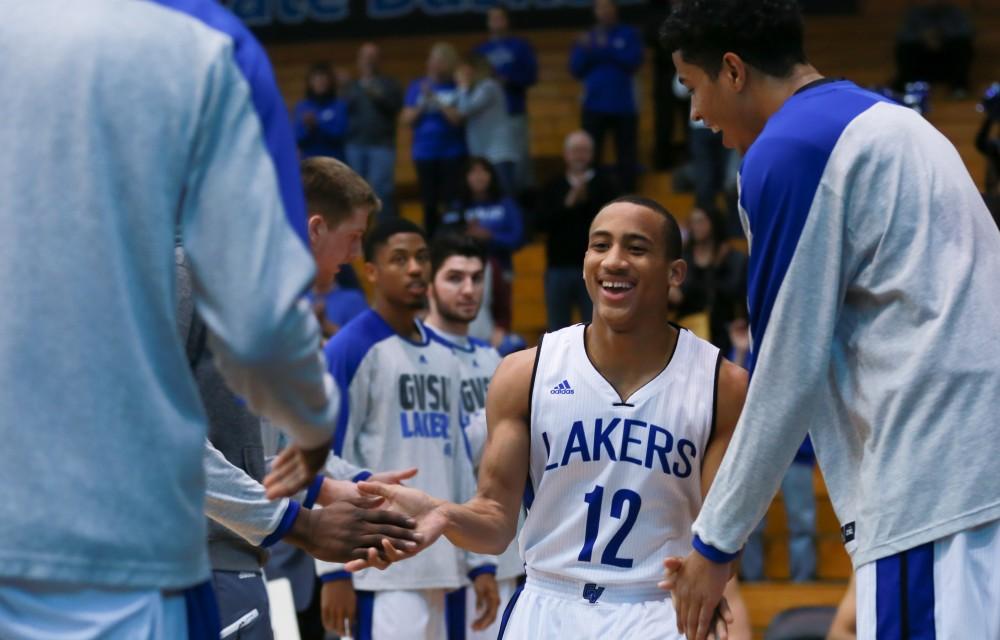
pixel 595 500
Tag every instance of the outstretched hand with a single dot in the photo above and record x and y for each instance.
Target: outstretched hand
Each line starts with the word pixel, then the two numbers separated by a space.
pixel 393 477
pixel 353 529
pixel 425 511
pixel 294 469
pixel 696 585
pixel 335 490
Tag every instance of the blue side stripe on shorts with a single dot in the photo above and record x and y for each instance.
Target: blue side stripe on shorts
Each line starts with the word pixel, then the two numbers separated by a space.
pixel 920 592
pixel 366 611
pixel 508 611
pixel 888 598
pixel 454 614
pixel 904 595
pixel 202 612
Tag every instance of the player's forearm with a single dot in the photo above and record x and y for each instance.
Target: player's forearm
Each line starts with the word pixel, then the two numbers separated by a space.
pixel 480 525
pixel 237 501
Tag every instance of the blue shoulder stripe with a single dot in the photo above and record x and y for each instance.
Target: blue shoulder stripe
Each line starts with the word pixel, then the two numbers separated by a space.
pixel 344 354
pixel 267 101
pixel 778 182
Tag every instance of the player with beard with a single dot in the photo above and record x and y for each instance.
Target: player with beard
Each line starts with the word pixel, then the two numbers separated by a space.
pixel 399 407
pixel 458 264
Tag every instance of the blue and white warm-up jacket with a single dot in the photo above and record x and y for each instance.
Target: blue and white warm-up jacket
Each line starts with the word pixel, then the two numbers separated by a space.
pixel 401 407
pixel 133 120
pixel 875 321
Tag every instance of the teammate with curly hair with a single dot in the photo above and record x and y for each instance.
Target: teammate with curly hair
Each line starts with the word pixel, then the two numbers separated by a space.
pixel 873 316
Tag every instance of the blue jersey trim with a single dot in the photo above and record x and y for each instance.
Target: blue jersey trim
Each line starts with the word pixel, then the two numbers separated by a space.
pixel 313 492
pixel 344 355
pixel 710 552
pixel 778 182
pixel 333 576
pixel 486 568
pixel 268 103
pixel 287 521
pixel 475 344
pixel 364 475
pixel 508 611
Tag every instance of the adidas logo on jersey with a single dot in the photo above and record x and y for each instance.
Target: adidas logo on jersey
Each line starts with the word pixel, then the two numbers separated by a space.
pixel 562 388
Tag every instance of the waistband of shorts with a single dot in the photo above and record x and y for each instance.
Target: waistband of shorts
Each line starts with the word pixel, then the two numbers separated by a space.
pixel 594 592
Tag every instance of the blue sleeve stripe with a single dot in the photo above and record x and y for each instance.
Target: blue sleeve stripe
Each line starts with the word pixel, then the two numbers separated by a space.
pixel 713 554
pixel 313 492
pixel 287 520
pixel 334 576
pixel 486 568
pixel 364 475
pixel 267 102
pixel 778 182
pixel 344 354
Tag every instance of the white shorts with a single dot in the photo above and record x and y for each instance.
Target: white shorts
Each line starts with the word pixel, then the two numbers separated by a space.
pixel 949 588
pixel 401 615
pixel 507 588
pixel 551 608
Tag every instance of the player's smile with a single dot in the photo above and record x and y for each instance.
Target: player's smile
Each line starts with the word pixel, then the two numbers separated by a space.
pixel 616 289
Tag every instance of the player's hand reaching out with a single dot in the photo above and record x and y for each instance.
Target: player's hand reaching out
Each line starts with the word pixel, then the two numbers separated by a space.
pixel 333 490
pixel 294 469
pixel 487 600
pixel 696 585
pixel 393 477
pixel 350 529
pixel 426 511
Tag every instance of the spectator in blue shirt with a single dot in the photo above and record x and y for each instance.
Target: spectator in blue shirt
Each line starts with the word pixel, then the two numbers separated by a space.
pixel 487 214
pixel 606 59
pixel 515 67
pixel 321 117
pixel 438 144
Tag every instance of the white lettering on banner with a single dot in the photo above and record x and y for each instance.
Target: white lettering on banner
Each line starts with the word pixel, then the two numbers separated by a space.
pixel 260 13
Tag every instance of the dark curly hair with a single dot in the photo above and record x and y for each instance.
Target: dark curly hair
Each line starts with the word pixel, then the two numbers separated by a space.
pixel 766 34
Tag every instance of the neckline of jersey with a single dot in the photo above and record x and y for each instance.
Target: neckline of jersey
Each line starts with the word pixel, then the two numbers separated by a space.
pixel 646 385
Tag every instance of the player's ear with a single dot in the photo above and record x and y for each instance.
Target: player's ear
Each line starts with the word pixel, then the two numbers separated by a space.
pixel 677 271
pixel 317 228
pixel 733 72
pixel 371 272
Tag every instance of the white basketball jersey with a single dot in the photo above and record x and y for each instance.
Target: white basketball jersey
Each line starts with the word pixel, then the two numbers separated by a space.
pixel 616 484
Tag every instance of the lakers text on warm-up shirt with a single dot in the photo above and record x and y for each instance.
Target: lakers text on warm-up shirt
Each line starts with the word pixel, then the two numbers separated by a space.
pixel 400 408
pixel 616 484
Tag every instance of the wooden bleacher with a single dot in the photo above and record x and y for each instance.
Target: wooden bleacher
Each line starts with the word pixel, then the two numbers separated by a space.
pixel 857 47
